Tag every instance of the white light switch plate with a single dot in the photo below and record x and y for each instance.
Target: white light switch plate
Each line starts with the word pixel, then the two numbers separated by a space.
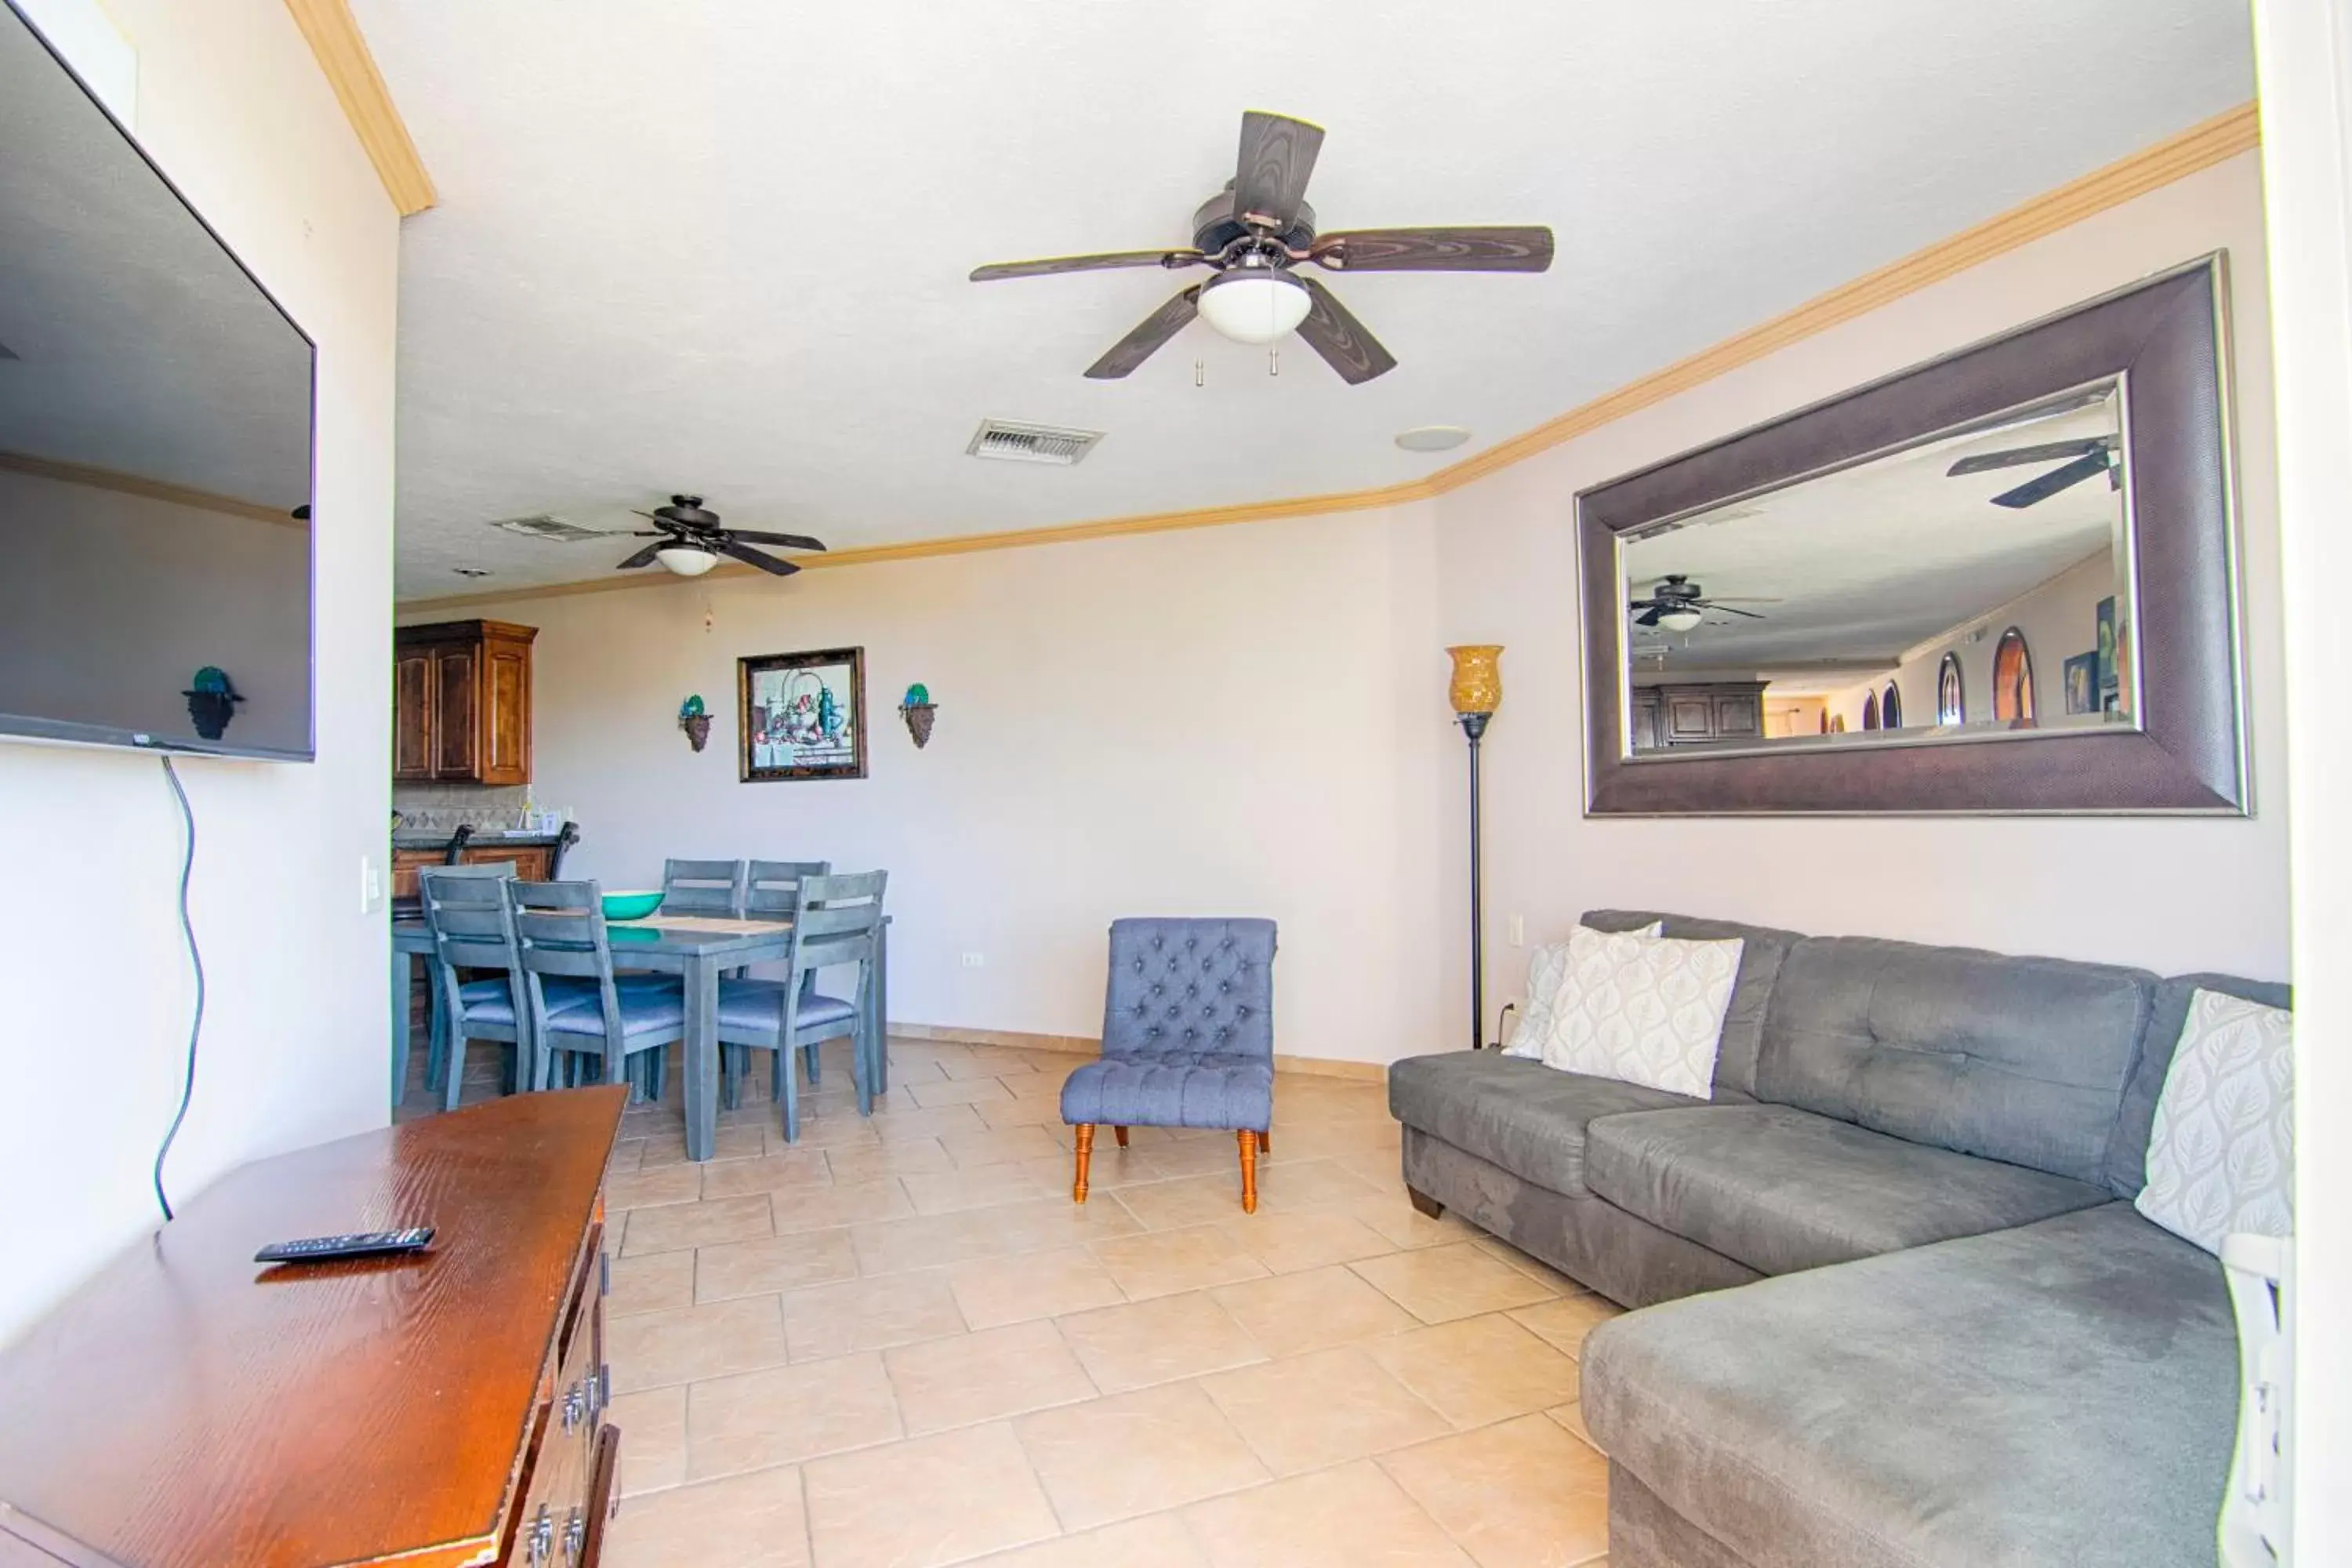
pixel 371 885
pixel 1518 930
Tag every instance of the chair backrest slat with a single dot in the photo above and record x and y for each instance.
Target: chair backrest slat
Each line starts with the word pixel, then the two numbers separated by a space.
pixel 702 887
pixel 471 914
pixel 773 887
pixel 837 922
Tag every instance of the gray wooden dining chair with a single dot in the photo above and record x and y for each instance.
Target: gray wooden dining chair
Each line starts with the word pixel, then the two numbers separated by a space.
pixel 771 891
pixel 702 887
pixel 561 927
pixel 470 918
pixel 838 924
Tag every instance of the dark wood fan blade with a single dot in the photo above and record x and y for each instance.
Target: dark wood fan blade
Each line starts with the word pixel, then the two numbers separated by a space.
pixel 789 540
pixel 1341 339
pixel 1435 250
pixel 1153 330
pixel 644 557
pixel 1270 180
pixel 1054 264
pixel 763 561
pixel 2048 452
pixel 2051 483
pixel 1648 618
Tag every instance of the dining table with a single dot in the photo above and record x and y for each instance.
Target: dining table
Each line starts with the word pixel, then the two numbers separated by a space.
pixel 696 948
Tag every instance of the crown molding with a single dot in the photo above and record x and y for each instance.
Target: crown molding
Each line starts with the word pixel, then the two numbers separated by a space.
pixel 2200 147
pixel 153 490
pixel 344 55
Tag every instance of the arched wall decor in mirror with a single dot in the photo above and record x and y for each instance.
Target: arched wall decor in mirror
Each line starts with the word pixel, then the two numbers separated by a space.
pixel 2012 680
pixel 2067 484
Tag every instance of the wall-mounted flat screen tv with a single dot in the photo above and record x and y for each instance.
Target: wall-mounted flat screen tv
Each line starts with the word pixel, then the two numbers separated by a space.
pixel 155 429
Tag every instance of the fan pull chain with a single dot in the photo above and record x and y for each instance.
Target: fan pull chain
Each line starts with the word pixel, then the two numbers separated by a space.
pixel 1273 360
pixel 1199 373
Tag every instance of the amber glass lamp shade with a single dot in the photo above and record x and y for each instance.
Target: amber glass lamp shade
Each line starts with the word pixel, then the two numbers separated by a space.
pixel 1477 685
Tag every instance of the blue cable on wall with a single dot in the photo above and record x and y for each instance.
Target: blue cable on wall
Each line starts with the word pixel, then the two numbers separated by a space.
pixel 196 958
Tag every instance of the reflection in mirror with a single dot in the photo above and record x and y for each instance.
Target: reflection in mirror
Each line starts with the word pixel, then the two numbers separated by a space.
pixel 1980 580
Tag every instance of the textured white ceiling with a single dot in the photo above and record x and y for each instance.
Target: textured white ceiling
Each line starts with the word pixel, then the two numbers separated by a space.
pixel 720 245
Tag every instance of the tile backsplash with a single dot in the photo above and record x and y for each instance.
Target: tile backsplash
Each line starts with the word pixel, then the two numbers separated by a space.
pixel 444 808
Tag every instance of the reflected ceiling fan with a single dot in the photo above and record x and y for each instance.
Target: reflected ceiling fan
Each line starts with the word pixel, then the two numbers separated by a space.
pixel 1254 234
pixel 688 541
pixel 1677 605
pixel 2084 458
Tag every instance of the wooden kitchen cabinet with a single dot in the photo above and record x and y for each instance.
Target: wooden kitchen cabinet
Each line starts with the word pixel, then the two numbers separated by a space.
pixel 1695 714
pixel 461 703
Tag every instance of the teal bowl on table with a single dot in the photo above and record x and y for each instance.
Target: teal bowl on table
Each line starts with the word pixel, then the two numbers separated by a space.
pixel 630 906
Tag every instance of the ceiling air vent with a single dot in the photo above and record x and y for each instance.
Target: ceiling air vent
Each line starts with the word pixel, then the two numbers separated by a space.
pixel 551 528
pixel 1011 442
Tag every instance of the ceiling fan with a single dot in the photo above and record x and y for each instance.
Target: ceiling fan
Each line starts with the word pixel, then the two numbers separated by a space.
pixel 688 541
pixel 1256 231
pixel 2087 456
pixel 1677 605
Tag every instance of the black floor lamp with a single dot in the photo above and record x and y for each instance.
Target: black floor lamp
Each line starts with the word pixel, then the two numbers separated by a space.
pixel 1477 691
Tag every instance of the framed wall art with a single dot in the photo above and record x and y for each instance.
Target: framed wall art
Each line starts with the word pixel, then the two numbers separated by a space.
pixel 802 715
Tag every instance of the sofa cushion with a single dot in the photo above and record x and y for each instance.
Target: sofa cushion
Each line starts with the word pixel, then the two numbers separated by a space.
pixel 1780 1189
pixel 2126 1168
pixel 1521 1115
pixel 2061 1393
pixel 2022 1060
pixel 1752 994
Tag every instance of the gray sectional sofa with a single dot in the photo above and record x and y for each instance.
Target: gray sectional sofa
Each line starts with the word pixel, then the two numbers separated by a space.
pixel 1898 1310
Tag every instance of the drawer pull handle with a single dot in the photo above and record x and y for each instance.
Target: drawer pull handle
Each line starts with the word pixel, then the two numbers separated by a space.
pixel 575 1406
pixel 542 1535
pixel 575 1535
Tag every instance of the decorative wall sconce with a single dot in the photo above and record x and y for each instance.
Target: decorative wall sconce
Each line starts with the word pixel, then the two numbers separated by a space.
pixel 212 701
pixel 918 709
pixel 695 719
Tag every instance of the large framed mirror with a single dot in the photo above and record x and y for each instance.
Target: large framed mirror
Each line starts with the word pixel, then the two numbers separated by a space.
pixel 2002 581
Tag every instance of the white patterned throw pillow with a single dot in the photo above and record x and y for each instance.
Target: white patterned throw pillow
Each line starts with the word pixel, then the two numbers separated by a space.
pixel 1643 1009
pixel 1532 1024
pixel 2221 1155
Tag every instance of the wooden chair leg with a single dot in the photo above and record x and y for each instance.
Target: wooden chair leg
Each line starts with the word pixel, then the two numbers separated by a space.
pixel 1266 1142
pixel 1085 1140
pixel 1121 1133
pixel 1247 1140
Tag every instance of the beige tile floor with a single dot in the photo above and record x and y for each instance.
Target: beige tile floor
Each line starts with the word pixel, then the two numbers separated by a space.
pixel 898 1344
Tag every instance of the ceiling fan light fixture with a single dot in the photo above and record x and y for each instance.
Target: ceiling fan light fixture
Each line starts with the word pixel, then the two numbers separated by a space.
pixel 685 560
pixel 1254 305
pixel 1679 620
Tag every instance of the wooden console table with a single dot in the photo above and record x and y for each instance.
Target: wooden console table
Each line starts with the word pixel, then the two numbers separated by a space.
pixel 189 1409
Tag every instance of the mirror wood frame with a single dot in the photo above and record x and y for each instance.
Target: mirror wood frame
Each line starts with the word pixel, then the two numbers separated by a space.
pixel 2167 339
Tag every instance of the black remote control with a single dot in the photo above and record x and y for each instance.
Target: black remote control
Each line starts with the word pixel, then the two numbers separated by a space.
pixel 359 1244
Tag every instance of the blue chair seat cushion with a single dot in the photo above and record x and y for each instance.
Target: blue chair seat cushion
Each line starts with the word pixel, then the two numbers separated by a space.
pixel 753 1005
pixel 649 1004
pixel 1173 1088
pixel 491 1001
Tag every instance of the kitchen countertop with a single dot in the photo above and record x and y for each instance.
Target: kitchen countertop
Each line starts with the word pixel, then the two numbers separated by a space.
pixel 413 839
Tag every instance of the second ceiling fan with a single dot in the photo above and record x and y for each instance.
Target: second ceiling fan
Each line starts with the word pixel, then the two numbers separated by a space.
pixel 1254 234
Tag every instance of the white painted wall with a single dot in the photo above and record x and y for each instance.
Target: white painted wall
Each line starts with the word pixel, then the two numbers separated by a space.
pixel 94 990
pixel 2304 48
pixel 1236 721
pixel 2173 894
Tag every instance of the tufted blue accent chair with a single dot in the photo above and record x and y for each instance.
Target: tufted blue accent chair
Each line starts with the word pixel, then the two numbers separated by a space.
pixel 1188 1039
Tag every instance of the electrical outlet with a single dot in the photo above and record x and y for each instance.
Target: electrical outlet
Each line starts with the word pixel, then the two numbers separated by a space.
pixel 371 885
pixel 975 961
pixel 1518 930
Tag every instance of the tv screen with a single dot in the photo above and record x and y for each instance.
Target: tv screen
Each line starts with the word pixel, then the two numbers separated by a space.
pixel 155 423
